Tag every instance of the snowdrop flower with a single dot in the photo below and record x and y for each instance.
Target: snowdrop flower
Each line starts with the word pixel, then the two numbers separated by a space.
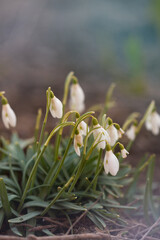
pixel 113 133
pixel 131 132
pixel 82 128
pixel 56 107
pixel 77 98
pixel 111 163
pixel 119 130
pixel 153 123
pixel 100 135
pixel 8 115
pixel 124 152
pixel 78 142
pixel 120 133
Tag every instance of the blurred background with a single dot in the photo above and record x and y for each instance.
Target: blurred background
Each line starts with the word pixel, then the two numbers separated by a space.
pixel 102 41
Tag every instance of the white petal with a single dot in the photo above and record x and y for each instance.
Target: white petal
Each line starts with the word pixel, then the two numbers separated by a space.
pixel 155 121
pixel 77 148
pixel 77 92
pixel 106 167
pixel 100 134
pixel 56 108
pixel 113 163
pixel 5 116
pixel 77 98
pixel 131 133
pixel 83 128
pixel 124 153
pixel 8 116
pixel 148 123
pixel 78 142
pixel 120 133
pixel 113 133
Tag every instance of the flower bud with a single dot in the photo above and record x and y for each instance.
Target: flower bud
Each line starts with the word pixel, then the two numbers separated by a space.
pixel 77 97
pixel 153 123
pixel 8 115
pixel 111 163
pixel 56 107
pixel 131 132
pixel 78 142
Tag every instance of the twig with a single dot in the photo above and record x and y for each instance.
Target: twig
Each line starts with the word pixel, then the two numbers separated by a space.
pixel 39 228
pixel 62 224
pixel 150 229
pixel 74 237
pixel 83 214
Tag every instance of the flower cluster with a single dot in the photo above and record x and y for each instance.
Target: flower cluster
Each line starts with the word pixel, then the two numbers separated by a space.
pixel 105 137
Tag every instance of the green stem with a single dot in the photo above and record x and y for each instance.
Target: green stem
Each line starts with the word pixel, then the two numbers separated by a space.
pixel 39 115
pixel 79 171
pixel 94 179
pixel 45 119
pixel 50 174
pixel 97 168
pixel 14 177
pixel 108 101
pixel 4 199
pixel 57 197
pixel 147 113
pixel 33 171
pixel 66 90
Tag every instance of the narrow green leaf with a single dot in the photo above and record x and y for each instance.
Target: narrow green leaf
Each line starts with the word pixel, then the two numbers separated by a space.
pixel 25 217
pixel 1 217
pixel 4 199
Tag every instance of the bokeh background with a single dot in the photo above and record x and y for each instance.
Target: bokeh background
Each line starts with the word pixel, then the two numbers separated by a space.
pixel 102 41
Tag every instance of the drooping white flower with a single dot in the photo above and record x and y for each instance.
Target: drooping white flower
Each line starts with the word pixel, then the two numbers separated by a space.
pixel 77 98
pixel 56 108
pixel 78 143
pixel 131 132
pixel 8 116
pixel 124 153
pixel 82 128
pixel 120 132
pixel 113 133
pixel 153 123
pixel 101 135
pixel 111 163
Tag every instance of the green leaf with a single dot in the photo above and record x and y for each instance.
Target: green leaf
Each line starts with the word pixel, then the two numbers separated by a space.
pixel 15 230
pixel 25 217
pixel 72 206
pixel 95 220
pixel 1 217
pixel 4 198
pixel 148 200
pixel 22 143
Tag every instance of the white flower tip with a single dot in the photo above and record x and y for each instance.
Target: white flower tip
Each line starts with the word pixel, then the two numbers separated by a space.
pixel 111 163
pixel 124 153
pixel 8 116
pixel 56 108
